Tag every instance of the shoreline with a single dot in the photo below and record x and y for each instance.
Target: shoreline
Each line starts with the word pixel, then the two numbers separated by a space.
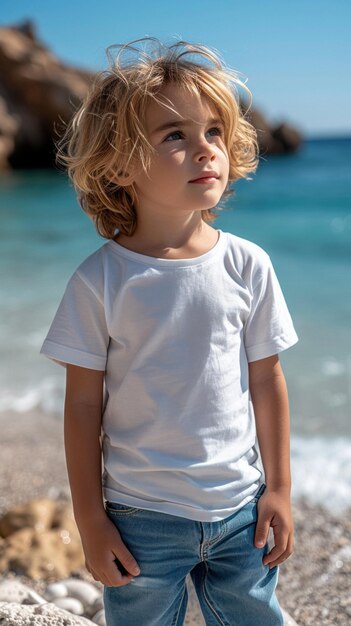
pixel 313 583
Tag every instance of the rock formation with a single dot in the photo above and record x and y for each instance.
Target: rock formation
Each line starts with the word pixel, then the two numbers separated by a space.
pixel 40 540
pixel 14 614
pixel 38 95
pixel 71 602
pixel 281 139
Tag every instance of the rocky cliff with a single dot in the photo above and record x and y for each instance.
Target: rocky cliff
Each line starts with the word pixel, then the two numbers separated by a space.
pixel 38 94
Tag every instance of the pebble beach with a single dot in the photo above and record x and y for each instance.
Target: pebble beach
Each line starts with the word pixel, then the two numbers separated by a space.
pixel 314 584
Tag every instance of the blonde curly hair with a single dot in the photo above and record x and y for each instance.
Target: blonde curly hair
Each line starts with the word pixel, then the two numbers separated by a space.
pixel 105 141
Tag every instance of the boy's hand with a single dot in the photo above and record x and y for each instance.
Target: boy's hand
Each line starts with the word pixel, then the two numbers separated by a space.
pixel 102 544
pixel 274 510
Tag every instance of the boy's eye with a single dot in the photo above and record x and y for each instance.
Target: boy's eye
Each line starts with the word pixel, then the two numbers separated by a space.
pixel 215 131
pixel 177 134
pixel 174 136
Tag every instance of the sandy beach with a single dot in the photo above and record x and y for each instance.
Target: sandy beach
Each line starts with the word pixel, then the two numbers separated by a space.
pixel 314 584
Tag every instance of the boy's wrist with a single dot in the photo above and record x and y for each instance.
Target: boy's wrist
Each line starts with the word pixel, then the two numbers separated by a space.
pixel 278 486
pixel 89 517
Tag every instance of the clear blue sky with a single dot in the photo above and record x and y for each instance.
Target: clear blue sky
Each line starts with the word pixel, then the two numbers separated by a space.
pixel 296 54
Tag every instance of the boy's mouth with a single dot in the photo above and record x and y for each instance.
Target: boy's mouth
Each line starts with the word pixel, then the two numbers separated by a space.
pixel 206 177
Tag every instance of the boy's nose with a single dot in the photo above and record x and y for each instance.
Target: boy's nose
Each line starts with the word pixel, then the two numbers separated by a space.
pixel 204 151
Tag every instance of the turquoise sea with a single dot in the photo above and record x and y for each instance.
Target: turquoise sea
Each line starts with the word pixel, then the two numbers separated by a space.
pixel 298 208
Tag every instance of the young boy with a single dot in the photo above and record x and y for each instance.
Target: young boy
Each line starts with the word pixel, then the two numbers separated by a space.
pixel 169 334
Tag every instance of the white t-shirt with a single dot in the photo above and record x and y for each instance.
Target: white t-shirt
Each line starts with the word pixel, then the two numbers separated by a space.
pixel 174 337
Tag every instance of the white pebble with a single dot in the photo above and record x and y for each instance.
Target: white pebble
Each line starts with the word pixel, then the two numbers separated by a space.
pixel 81 590
pixel 70 604
pixel 98 604
pixel 99 618
pixel 14 591
pixel 55 591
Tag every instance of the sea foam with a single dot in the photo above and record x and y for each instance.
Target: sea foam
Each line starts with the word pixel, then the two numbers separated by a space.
pixel 321 471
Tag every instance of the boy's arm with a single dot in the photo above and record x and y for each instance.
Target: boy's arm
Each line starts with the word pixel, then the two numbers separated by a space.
pixel 271 406
pixel 82 428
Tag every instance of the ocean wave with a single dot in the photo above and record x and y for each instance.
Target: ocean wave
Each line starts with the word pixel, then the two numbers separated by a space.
pixel 47 396
pixel 321 471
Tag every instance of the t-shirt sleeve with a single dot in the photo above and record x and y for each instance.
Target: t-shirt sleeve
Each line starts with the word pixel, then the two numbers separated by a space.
pixel 78 334
pixel 269 328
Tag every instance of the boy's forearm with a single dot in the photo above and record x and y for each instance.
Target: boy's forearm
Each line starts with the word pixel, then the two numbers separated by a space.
pixel 82 429
pixel 271 406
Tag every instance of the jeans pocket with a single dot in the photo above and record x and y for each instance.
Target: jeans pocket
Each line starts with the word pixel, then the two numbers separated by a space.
pixel 120 510
pixel 259 493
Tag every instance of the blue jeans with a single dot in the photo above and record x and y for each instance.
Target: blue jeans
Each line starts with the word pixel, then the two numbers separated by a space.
pixel 233 587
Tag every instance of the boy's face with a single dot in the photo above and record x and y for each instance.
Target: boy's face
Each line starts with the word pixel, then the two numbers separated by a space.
pixel 189 171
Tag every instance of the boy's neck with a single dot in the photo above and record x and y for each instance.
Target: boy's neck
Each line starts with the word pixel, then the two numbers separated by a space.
pixel 178 240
